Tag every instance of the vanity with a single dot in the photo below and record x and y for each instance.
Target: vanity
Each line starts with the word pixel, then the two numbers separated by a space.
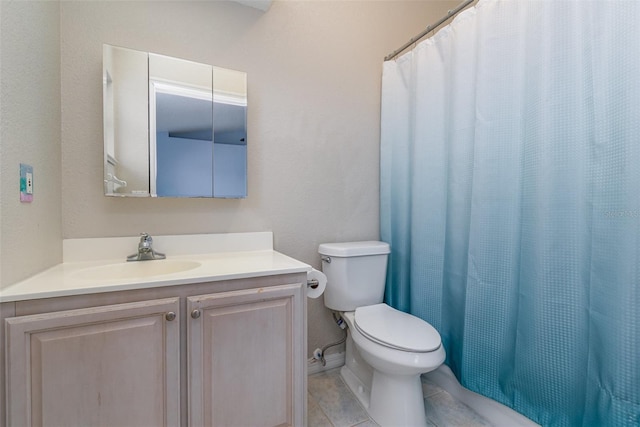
pixel 215 335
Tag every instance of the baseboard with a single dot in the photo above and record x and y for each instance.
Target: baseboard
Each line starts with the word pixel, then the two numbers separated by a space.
pixel 334 360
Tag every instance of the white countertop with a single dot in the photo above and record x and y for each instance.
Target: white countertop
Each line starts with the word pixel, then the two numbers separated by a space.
pixel 74 277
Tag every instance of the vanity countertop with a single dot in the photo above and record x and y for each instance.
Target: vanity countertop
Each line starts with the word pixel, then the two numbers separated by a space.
pixel 78 275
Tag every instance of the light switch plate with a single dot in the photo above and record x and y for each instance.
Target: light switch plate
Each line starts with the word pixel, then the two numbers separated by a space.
pixel 26 183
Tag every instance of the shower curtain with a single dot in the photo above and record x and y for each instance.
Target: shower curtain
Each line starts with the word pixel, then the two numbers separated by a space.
pixel 510 196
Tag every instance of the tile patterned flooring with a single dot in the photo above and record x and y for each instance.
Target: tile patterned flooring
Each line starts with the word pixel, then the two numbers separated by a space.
pixel 331 404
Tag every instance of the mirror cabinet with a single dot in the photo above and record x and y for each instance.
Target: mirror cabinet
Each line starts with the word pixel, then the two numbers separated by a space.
pixel 172 127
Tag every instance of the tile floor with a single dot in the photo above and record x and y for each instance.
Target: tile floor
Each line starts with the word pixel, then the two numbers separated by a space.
pixel 331 404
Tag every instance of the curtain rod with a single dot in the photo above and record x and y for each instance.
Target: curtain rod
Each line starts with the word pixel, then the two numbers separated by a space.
pixel 430 28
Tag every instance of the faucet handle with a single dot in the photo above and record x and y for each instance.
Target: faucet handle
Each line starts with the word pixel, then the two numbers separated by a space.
pixel 145 250
pixel 145 241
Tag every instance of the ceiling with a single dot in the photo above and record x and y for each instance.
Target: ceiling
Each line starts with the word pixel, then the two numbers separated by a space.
pixel 263 5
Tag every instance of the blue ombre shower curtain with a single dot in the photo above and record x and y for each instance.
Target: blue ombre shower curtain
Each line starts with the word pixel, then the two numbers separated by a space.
pixel 510 195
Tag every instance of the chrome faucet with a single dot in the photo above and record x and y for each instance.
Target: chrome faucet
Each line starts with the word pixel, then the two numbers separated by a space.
pixel 145 250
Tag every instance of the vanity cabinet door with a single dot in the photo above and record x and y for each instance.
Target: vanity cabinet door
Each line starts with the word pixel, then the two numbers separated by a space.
pixel 246 357
pixel 116 365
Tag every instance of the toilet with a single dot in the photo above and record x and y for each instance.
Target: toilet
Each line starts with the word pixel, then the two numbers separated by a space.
pixel 386 349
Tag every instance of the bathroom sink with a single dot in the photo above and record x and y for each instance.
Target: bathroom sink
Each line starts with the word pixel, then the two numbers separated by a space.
pixel 137 269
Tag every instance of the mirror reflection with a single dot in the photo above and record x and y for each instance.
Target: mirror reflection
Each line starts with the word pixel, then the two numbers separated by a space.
pixel 182 133
pixel 126 127
pixel 230 132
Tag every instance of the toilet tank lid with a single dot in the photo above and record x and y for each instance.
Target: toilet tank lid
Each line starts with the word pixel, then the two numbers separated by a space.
pixel 349 249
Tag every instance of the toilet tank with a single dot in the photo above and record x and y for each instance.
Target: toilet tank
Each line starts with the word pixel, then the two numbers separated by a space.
pixel 356 273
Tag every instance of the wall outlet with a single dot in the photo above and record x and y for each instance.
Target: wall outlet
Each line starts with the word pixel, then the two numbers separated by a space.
pixel 29 183
pixel 26 183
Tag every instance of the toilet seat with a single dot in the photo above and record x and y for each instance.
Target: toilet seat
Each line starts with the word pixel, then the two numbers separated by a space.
pixel 396 329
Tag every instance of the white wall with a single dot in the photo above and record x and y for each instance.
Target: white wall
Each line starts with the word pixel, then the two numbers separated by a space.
pixel 30 233
pixel 314 72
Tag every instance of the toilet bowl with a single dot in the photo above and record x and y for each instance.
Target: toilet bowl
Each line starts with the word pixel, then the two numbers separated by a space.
pixel 386 349
pixel 391 389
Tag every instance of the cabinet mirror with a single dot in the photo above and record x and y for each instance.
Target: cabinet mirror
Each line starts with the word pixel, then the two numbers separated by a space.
pixel 172 128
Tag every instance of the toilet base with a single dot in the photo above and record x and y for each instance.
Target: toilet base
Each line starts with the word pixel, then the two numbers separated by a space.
pixel 397 400
pixel 389 400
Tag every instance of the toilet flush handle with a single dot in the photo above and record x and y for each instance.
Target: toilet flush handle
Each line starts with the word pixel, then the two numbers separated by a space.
pixel 326 259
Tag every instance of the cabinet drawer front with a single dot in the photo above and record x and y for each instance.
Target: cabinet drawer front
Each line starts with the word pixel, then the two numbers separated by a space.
pixel 244 353
pixel 108 365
